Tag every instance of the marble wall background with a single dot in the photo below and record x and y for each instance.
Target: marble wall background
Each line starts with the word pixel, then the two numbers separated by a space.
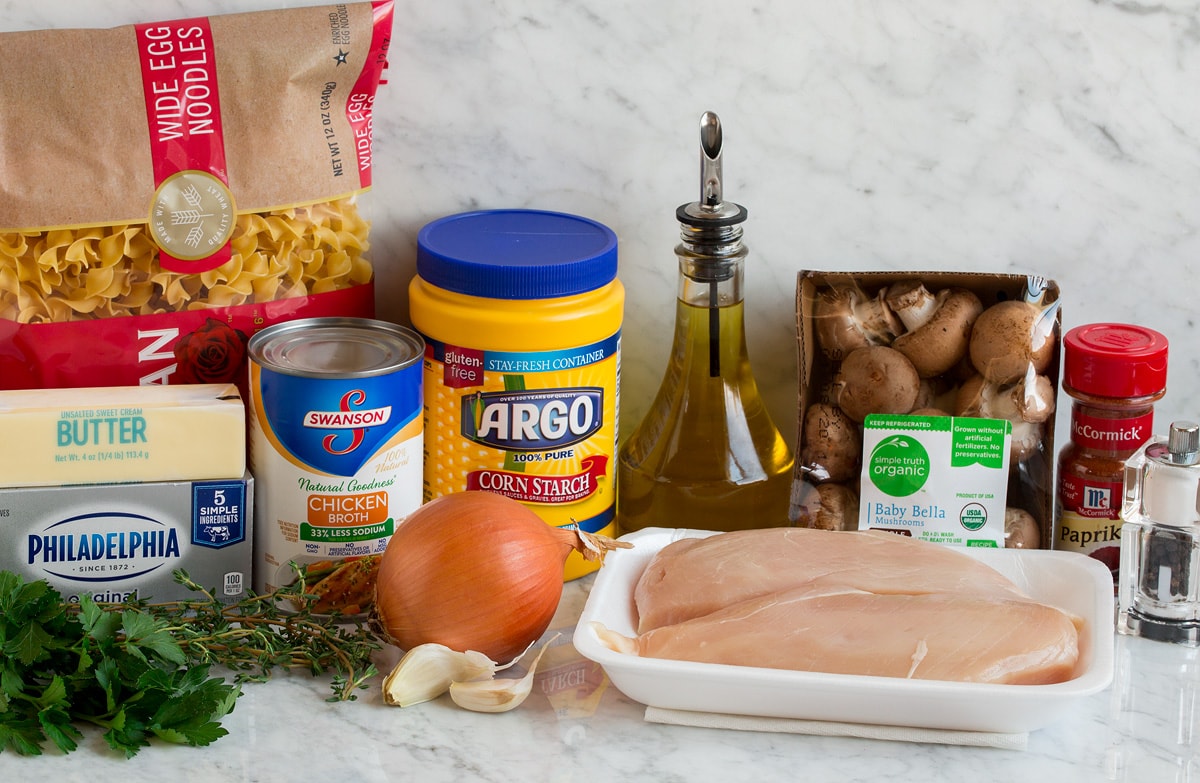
pixel 1058 138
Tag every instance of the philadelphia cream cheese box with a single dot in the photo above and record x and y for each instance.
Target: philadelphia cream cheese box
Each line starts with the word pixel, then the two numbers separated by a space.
pixel 124 541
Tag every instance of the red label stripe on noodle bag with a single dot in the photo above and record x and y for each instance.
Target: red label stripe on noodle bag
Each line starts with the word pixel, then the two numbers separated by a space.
pixel 191 216
pixel 360 104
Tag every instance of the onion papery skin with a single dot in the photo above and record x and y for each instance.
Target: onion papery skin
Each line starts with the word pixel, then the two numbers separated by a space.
pixel 472 570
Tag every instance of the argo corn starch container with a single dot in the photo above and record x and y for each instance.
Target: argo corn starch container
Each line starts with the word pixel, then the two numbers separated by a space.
pixel 521 315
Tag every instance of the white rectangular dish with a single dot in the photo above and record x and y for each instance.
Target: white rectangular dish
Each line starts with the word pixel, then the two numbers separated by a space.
pixel 1072 582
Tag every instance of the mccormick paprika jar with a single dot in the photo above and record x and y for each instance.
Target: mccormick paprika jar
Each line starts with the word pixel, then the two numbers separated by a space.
pixel 521 314
pixel 1114 373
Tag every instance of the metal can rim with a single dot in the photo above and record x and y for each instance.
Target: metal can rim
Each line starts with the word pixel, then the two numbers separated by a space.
pixel 264 348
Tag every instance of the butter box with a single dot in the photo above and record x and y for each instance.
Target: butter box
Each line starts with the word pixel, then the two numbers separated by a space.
pixel 55 437
pixel 124 541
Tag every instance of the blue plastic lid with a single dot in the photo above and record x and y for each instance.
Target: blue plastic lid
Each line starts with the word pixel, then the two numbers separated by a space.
pixel 517 254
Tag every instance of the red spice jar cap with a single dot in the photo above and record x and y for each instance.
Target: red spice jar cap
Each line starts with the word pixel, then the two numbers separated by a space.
pixel 1115 360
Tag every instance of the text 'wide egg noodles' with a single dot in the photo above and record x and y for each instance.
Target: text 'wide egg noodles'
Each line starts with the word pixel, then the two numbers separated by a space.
pixel 164 206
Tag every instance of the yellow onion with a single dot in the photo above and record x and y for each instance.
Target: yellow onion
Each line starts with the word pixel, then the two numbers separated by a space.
pixel 475 570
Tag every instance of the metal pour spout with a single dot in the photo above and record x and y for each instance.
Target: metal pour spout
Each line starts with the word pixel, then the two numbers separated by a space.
pixel 711 231
pixel 712 214
pixel 710 160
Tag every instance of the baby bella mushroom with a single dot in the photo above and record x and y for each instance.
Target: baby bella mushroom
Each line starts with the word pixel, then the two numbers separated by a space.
pixel 1021 530
pixel 936 396
pixel 828 507
pixel 939 325
pixel 831 444
pixel 876 379
pixel 1027 405
pixel 911 302
pixel 847 319
pixel 1010 337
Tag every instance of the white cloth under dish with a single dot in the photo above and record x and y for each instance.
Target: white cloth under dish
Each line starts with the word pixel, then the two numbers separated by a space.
pixel 824 728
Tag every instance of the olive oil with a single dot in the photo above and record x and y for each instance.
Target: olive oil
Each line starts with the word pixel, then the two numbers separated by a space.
pixel 707 454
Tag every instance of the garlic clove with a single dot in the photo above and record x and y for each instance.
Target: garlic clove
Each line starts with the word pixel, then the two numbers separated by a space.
pixel 497 695
pixel 427 670
pixel 490 695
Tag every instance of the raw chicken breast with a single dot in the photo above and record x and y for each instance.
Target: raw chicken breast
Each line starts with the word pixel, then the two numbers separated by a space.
pixel 695 576
pixel 945 636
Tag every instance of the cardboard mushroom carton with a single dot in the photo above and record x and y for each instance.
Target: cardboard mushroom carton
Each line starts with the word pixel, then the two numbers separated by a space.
pixel 932 350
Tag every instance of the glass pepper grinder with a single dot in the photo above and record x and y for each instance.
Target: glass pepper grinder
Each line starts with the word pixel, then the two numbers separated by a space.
pixel 1158 594
pixel 707 454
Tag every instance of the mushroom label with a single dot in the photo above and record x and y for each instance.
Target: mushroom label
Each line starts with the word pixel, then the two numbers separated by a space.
pixel 936 478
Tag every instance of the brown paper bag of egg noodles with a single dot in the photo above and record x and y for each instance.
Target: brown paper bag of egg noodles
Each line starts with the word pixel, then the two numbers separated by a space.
pixel 168 188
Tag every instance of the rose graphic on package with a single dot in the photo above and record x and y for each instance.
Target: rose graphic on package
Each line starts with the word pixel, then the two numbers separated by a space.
pixel 214 353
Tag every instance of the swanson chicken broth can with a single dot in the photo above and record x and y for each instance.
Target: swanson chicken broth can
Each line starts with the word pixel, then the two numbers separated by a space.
pixel 336 452
pixel 521 314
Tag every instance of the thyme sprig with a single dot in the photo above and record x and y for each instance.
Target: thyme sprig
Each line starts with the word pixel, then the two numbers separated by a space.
pixel 264 632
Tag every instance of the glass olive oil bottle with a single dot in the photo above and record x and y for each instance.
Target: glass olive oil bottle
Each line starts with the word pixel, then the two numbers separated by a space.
pixel 707 454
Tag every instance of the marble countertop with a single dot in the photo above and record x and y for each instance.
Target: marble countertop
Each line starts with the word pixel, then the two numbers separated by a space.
pixel 1051 138
pixel 576 727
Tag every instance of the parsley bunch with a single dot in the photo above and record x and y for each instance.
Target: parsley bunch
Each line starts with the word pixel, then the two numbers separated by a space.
pixel 140 670
pixel 120 670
